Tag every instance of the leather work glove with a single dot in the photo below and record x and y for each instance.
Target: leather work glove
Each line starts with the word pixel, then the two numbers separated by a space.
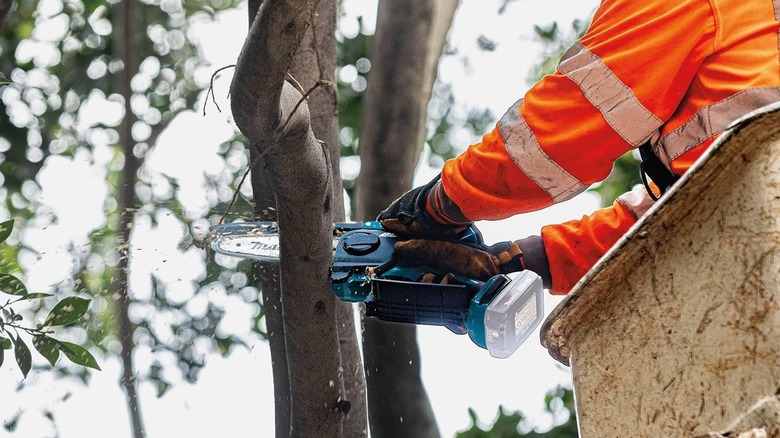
pixel 410 214
pixel 453 257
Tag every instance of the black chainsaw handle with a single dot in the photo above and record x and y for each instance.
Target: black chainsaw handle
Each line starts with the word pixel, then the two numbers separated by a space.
pixel 421 303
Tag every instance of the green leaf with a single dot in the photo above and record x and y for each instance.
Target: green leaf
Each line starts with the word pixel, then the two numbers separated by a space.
pixel 11 424
pixel 24 30
pixel 37 295
pixel 12 285
pixel 2 356
pixel 7 226
pixel 162 387
pixel 5 81
pixel 91 5
pixel 23 356
pixel 67 311
pixel 48 347
pixel 78 355
pixel 5 343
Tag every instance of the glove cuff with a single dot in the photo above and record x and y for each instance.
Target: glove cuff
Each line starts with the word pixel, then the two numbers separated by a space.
pixel 528 253
pixel 410 214
pixel 441 208
pixel 430 221
pixel 535 258
pixel 507 256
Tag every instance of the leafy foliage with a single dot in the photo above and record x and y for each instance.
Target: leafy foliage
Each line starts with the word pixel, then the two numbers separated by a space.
pixel 554 42
pixel 559 402
pixel 55 82
pixel 353 67
pixel 68 311
pixel 624 176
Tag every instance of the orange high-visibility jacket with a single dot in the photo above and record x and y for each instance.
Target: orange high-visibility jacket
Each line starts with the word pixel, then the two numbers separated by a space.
pixel 675 72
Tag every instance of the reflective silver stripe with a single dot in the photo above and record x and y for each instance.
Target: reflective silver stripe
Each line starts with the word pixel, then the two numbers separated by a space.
pixel 571 51
pixel 637 201
pixel 525 151
pixel 616 101
pixel 714 119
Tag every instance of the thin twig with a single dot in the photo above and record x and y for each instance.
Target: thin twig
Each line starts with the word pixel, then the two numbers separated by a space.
pixel 238 189
pixel 326 152
pixel 314 37
pixel 277 136
pixel 211 88
pixel 320 82
pixel 295 83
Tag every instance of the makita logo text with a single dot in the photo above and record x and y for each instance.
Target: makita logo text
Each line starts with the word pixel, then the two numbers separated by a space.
pixel 262 246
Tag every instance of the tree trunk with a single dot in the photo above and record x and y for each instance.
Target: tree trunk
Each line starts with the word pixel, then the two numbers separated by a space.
pixel 315 60
pixel 409 40
pixel 269 282
pixel 5 6
pixel 126 24
pixel 271 114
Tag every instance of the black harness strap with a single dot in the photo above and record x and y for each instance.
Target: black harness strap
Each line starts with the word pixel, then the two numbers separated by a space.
pixel 651 166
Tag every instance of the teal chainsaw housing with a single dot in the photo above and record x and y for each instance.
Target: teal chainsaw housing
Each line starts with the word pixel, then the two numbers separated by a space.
pixel 365 270
pixel 497 314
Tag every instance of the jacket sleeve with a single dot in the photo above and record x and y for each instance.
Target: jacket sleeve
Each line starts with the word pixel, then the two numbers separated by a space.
pixel 575 246
pixel 565 252
pixel 612 91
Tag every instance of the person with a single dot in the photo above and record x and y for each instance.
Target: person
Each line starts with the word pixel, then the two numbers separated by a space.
pixel 665 75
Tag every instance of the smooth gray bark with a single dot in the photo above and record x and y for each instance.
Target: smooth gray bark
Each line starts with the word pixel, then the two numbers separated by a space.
pixel 269 282
pixel 271 114
pixel 315 60
pixel 409 40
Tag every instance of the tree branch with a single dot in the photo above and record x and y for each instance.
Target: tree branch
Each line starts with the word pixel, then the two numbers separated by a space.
pixel 267 110
pixel 263 63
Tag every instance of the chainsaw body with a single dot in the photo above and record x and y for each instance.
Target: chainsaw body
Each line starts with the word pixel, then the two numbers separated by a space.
pixel 498 314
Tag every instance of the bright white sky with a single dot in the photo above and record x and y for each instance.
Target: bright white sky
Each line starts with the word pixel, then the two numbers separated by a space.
pixel 234 395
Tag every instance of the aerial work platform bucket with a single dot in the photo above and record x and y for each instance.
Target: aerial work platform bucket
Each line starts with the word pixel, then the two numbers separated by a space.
pixel 676 331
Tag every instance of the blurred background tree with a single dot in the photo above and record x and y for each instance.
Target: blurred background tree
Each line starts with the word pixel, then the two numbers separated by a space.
pixel 94 86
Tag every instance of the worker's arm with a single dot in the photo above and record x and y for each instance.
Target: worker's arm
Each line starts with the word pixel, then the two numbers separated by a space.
pixel 570 249
pixel 561 255
pixel 610 93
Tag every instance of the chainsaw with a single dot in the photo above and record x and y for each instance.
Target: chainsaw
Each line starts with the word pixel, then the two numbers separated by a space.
pixel 498 314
